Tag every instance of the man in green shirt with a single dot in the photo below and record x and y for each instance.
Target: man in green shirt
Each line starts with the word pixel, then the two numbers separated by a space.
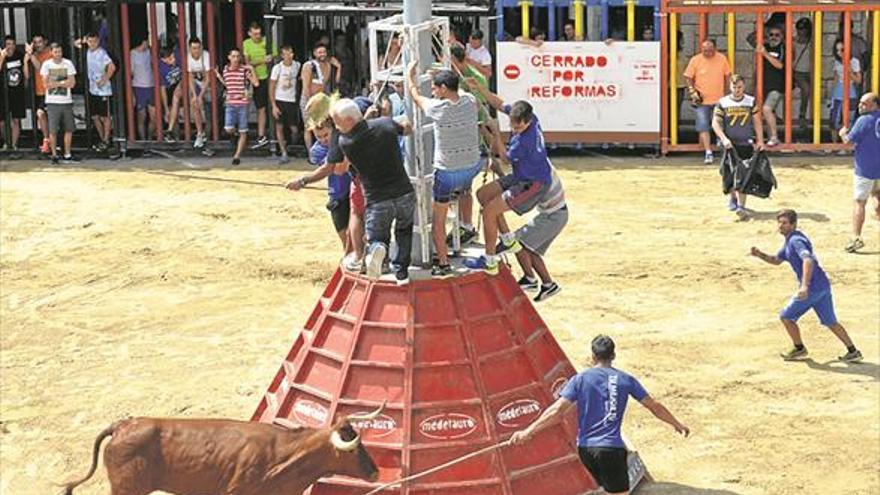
pixel 470 78
pixel 257 56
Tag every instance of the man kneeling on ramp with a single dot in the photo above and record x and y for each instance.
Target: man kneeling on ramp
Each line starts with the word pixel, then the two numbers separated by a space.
pixel 601 394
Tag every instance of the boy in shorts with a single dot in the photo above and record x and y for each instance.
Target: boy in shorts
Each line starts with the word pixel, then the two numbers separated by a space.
pixel 282 95
pixel 235 78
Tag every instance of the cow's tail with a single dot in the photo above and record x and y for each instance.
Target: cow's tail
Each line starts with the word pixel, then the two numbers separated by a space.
pixel 69 486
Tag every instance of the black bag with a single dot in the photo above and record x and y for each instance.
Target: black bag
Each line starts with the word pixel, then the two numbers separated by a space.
pixel 753 176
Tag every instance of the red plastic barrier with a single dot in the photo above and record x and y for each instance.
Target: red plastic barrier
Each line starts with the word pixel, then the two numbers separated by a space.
pixel 462 363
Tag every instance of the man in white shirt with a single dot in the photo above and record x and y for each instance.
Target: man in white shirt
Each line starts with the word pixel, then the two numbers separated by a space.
pixel 282 96
pixel 478 55
pixel 199 68
pixel 58 75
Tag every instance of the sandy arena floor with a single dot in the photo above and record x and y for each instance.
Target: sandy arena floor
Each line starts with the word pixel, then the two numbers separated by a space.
pixel 129 292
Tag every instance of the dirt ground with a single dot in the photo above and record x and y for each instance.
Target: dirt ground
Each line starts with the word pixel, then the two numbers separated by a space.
pixel 126 291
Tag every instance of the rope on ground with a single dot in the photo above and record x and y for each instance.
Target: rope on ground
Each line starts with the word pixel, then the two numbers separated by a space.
pixel 441 467
pixel 231 181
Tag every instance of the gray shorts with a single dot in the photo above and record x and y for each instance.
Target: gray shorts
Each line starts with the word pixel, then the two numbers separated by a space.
pixel 60 116
pixel 541 231
pixel 773 99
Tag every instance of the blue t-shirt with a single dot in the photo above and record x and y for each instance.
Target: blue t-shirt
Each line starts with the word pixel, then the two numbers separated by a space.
pixel 169 75
pixel 865 134
pixel 338 185
pixel 527 154
pixel 601 395
pixel 796 248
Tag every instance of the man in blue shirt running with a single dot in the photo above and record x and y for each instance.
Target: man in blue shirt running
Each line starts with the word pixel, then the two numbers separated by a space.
pixel 814 291
pixel 865 134
pixel 601 394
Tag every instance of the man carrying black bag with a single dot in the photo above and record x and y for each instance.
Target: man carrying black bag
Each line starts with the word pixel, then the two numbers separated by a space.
pixel 737 123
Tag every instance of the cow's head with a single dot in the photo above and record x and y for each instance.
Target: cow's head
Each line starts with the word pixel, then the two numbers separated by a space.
pixel 352 458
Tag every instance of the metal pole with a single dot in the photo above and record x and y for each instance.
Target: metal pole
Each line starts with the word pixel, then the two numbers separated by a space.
pixel 759 60
pixel 847 55
pixel 118 129
pixel 630 20
pixel 154 55
pixel 126 57
pixel 184 69
pixel 731 41
pixel 673 79
pixel 788 74
pixel 817 79
pixel 209 11
pixel 668 68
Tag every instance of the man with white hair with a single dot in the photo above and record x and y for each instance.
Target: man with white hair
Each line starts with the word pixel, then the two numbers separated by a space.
pixel 370 147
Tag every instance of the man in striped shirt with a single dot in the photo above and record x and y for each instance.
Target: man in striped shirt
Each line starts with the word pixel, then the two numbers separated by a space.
pixel 235 79
pixel 457 157
pixel 535 238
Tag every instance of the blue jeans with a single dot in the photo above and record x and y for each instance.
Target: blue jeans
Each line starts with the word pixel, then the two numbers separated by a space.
pixel 378 221
pixel 703 118
pixel 236 115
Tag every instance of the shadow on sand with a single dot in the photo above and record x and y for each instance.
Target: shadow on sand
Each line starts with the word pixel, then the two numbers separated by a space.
pixel 669 488
pixel 865 369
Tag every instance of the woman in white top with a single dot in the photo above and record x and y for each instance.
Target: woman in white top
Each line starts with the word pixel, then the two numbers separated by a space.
pixel 855 79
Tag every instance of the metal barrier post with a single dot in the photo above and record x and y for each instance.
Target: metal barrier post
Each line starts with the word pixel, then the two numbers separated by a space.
pixel 183 43
pixel 673 78
pixel 759 60
pixel 847 55
pixel 551 20
pixel 731 41
pixel 789 50
pixel 666 69
pixel 126 58
pixel 212 42
pixel 875 54
pixel 630 20
pixel 704 26
pixel 579 19
pixel 239 34
pixel 817 78
pixel 524 9
pixel 157 87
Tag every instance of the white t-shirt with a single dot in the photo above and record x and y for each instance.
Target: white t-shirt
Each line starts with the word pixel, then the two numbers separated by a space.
pixel 199 68
pixel 58 72
pixel 285 78
pixel 480 54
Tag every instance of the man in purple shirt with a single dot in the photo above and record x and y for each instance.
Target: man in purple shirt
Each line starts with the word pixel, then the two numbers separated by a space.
pixel 814 289
pixel 601 394
pixel 522 189
pixel 865 134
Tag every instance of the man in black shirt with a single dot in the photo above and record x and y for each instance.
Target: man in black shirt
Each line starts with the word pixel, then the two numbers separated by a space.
pixel 14 72
pixel 773 55
pixel 371 149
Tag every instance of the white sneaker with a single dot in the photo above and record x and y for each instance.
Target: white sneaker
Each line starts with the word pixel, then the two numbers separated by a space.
pixel 709 158
pixel 351 263
pixel 374 261
pixel 200 141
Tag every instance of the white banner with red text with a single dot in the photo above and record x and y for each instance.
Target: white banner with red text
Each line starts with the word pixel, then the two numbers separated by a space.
pixel 584 87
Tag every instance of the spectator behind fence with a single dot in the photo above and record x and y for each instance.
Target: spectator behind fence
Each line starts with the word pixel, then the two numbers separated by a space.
pixel 142 86
pixel 855 79
pixel 100 70
pixel 347 66
pixel 282 96
pixel 58 77
pixel 320 74
pixel 169 78
pixel 257 56
pixel 865 134
pixel 35 54
pixel 12 104
pixel 235 79
pixel 773 60
pixel 568 32
pixel 708 77
pixel 802 67
pixel 198 65
pixel 479 54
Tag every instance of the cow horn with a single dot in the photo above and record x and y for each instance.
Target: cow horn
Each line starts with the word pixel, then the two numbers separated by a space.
pixel 366 417
pixel 286 423
pixel 345 446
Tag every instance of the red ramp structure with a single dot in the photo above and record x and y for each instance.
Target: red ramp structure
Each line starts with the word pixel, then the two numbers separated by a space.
pixel 461 362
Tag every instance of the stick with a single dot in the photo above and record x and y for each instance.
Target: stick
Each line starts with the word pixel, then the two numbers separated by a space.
pixel 231 181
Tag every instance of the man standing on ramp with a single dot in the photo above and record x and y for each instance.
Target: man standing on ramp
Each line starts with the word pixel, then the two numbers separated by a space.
pixel 601 394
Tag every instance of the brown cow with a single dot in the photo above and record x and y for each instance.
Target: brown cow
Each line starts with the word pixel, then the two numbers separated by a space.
pixel 225 457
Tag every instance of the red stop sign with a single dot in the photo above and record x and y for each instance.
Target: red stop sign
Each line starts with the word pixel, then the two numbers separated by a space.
pixel 511 71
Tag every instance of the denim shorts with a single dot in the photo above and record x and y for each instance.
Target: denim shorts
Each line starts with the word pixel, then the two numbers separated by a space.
pixel 703 119
pixel 820 302
pixel 449 183
pixel 236 115
pixel 837 112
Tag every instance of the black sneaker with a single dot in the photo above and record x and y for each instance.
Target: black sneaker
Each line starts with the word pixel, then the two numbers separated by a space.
pixel 527 283
pixel 402 277
pixel 54 159
pixel 261 141
pixel 465 235
pixel 442 271
pixel 69 159
pixel 236 161
pixel 851 357
pixel 794 354
pixel 547 291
